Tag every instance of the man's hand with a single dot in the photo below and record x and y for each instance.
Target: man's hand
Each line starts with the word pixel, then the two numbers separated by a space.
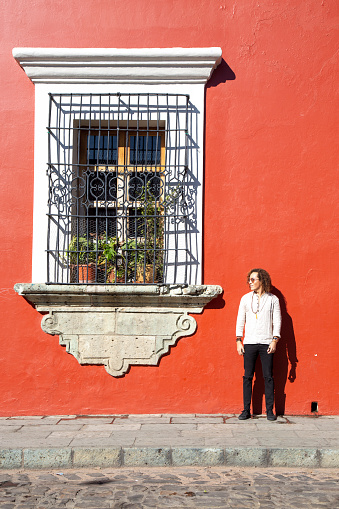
pixel 272 348
pixel 240 348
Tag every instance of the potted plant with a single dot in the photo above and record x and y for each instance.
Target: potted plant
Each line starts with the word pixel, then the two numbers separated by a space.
pixel 82 255
pixel 150 249
pixel 112 258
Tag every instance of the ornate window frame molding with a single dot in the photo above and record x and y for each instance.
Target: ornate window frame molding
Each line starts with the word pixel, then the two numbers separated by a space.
pixel 102 70
pixel 113 65
pixel 134 324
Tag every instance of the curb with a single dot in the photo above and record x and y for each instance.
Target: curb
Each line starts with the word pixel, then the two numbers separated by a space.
pixel 56 458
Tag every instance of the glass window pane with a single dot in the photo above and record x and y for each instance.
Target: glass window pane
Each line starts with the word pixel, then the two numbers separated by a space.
pixel 103 149
pixel 145 150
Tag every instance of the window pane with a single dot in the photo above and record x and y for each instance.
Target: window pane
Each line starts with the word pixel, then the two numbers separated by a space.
pixel 103 149
pixel 145 150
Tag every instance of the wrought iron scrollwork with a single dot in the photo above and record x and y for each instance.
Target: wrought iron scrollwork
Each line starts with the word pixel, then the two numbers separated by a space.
pixel 121 198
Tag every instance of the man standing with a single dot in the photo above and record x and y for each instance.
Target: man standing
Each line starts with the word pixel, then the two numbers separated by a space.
pixel 259 312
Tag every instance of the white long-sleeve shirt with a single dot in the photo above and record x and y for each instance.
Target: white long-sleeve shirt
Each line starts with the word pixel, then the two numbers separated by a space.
pixel 261 324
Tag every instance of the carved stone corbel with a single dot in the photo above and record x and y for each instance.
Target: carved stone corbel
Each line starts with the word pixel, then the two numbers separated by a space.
pixel 118 326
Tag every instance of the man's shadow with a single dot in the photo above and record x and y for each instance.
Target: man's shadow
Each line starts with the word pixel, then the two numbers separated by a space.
pixel 285 363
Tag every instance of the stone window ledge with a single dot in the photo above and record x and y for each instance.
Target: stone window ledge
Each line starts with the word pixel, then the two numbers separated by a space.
pixel 118 326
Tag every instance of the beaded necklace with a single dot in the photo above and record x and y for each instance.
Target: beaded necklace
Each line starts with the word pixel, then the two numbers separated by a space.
pixel 262 305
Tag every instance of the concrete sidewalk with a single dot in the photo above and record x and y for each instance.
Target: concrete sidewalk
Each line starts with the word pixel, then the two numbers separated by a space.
pixel 61 442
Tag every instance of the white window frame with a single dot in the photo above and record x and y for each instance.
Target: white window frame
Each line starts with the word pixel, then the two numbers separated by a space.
pixel 98 71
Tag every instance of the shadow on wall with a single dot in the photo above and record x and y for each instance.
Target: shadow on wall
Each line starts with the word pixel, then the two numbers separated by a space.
pixel 285 363
pixel 221 74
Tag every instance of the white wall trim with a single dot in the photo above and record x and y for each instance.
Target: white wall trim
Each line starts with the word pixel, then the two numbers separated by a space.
pixel 95 70
pixel 113 65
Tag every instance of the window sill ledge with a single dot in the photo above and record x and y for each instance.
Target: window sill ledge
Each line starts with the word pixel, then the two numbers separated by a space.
pixel 118 326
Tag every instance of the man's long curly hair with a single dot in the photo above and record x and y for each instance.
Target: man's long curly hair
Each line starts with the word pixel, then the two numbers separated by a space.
pixel 264 278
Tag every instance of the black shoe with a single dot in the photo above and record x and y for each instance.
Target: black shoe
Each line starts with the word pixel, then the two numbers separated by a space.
pixel 271 416
pixel 245 414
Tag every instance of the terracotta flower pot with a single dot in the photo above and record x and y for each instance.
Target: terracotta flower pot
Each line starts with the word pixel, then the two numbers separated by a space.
pixel 150 275
pixel 115 278
pixel 86 273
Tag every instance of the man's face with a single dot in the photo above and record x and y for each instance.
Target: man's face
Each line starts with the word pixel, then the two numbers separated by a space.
pixel 254 282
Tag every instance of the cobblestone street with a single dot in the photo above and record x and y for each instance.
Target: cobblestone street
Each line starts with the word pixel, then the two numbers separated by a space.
pixel 209 487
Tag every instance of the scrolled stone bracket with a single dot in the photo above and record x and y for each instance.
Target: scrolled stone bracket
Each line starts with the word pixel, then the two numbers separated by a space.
pixel 118 326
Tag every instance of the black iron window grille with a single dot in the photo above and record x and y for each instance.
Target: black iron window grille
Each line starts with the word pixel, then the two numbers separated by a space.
pixel 121 193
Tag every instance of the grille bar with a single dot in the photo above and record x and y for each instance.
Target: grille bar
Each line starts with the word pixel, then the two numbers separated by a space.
pixel 119 189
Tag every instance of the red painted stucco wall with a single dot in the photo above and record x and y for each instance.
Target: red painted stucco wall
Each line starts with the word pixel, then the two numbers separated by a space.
pixel 271 179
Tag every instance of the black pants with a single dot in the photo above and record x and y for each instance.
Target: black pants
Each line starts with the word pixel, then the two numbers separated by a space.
pixel 250 357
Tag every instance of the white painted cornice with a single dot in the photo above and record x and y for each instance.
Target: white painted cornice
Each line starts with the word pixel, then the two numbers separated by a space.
pixel 115 65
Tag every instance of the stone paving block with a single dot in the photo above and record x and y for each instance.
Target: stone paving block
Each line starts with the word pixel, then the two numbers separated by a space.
pixel 25 437
pixel 8 429
pixel 167 428
pixel 213 428
pixel 159 457
pixel 29 422
pixel 246 457
pixel 93 433
pixel 88 420
pixel 235 421
pixel 10 458
pixel 121 440
pixel 329 458
pixel 327 434
pixel 180 415
pixel 297 426
pixel 98 427
pixel 45 429
pixel 58 441
pixel 169 442
pixel 314 418
pixel 47 458
pixel 196 420
pixel 159 441
pixel 62 434
pixel 214 415
pixel 154 435
pixel 197 456
pixel 28 417
pixel 327 426
pixel 293 443
pixel 294 457
pixel 147 416
pixel 62 426
pixel 298 419
pixel 70 416
pixel 126 426
pixel 265 424
pixel 19 442
pixel 183 419
pixel 229 441
pixel 95 457
pixel 24 442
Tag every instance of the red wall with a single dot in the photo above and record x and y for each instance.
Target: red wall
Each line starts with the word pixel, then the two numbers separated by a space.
pixel 271 162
